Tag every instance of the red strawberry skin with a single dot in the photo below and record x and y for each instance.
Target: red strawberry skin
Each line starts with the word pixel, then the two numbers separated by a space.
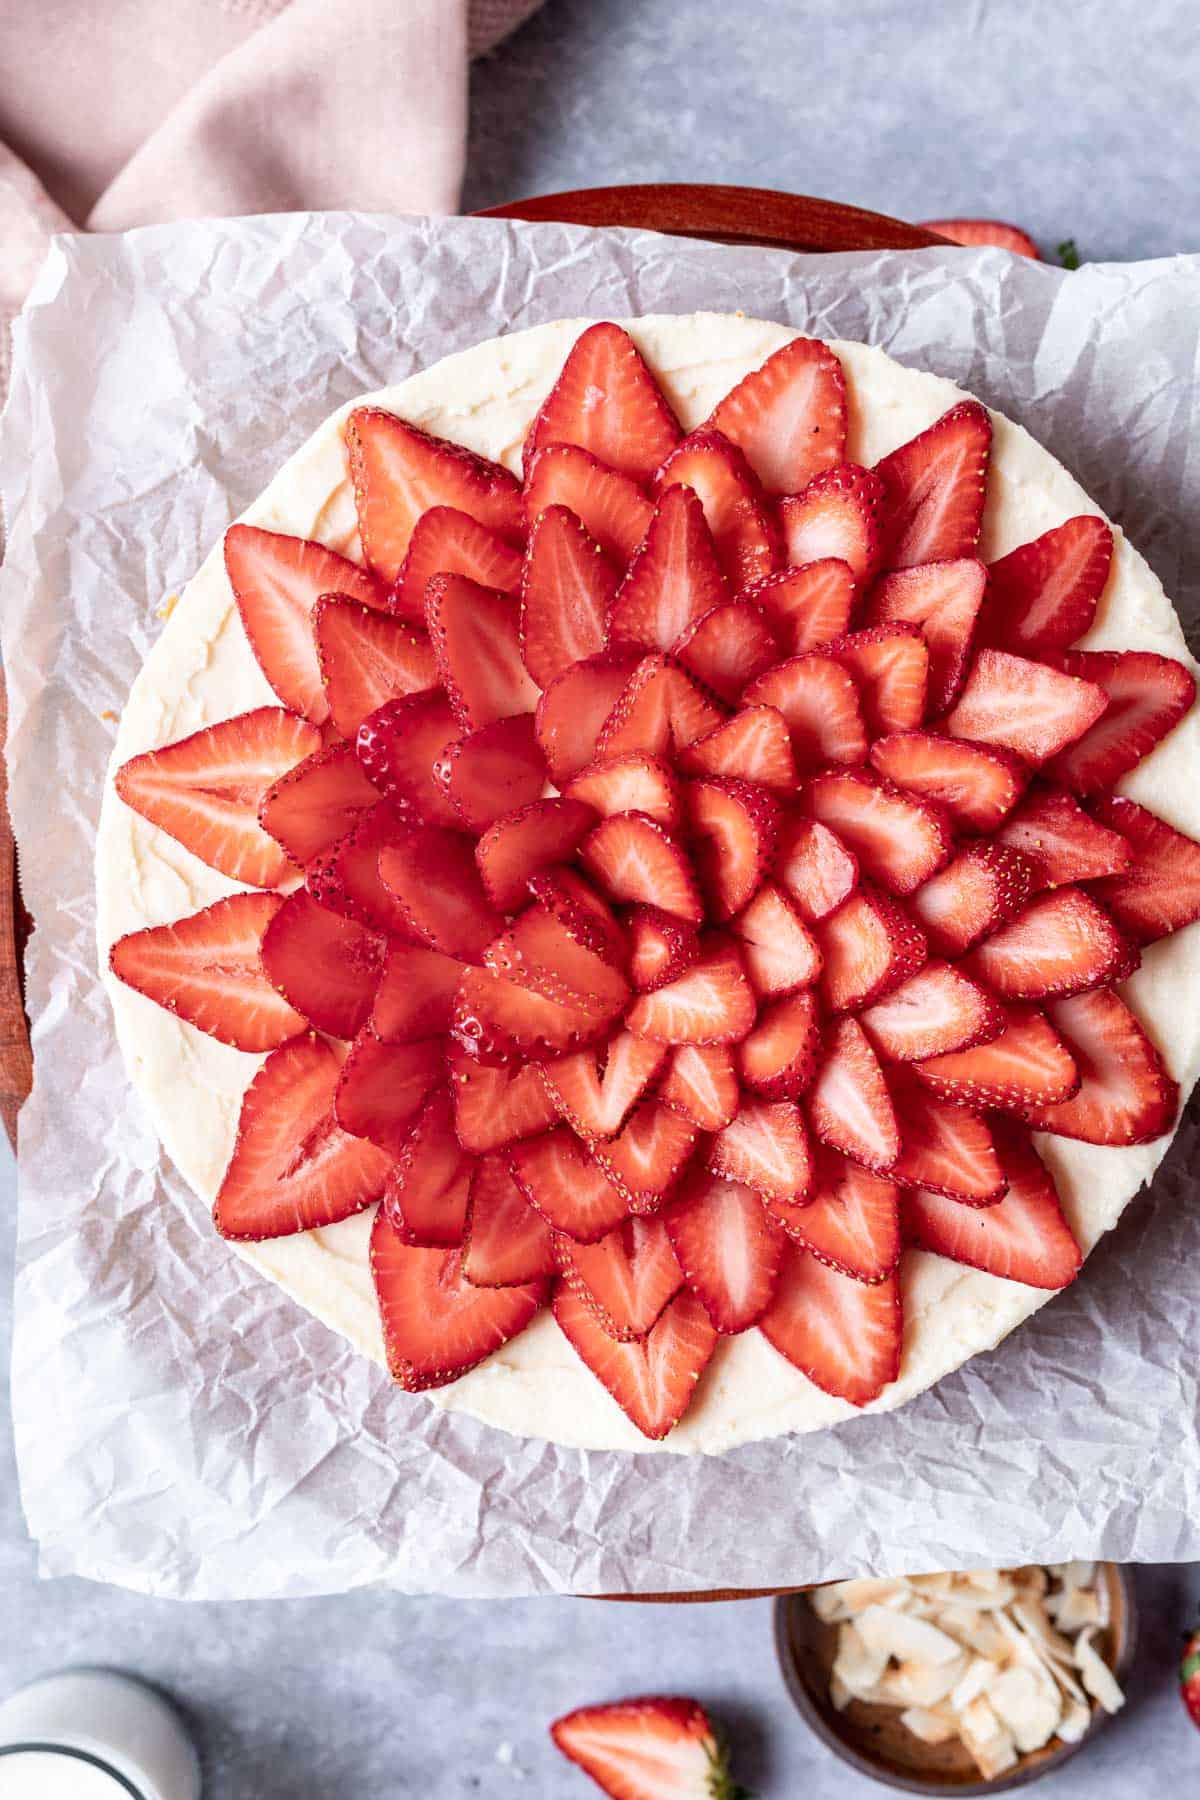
pixel 994 234
pixel 647 1749
pixel 607 402
pixel 845 1335
pixel 789 416
pixel 654 1380
pixel 936 484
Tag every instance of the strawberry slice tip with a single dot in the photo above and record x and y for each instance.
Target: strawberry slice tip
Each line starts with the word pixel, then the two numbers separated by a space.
pixel 608 403
pixel 653 1380
pixel 844 1334
pixel 728 1249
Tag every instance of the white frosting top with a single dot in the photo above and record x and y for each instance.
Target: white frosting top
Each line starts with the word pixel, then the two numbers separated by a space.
pixel 201 670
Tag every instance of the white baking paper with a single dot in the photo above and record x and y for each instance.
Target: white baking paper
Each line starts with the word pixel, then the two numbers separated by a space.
pixel 182 1428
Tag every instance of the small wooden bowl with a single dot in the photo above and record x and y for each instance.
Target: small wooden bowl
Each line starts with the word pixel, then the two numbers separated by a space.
pixel 872 1739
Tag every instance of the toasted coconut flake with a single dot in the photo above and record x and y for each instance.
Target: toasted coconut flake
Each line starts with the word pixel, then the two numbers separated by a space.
pixel 980 1672
pixel 906 1638
pixel 858 1667
pixel 1097 1677
pixel 930 1725
pixel 1028 1702
pixel 1074 1721
pixel 925 1683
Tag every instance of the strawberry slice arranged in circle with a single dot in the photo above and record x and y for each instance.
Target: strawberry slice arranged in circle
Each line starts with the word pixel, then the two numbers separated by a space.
pixel 943 598
pixel 674 579
pixel 508 1243
pixel 429 1188
pixel 1125 1093
pixel 567 590
pixel 1158 891
pixel 850 1104
pixel 446 541
pixel 1146 696
pixel 728 1248
pixel 1060 841
pixel 404 749
pixel 851 1220
pixel 626 1279
pixel 789 416
pixel 328 967
pixel 383 1087
pixel 652 1380
pixel 844 1334
pixel 367 658
pixel 496 1107
pixel 1023 1237
pixel 839 516
pixel 808 606
pixel 735 507
pixel 1042 596
pixel 702 1084
pixel 608 403
pixel 754 745
pixel 611 507
pixel 935 486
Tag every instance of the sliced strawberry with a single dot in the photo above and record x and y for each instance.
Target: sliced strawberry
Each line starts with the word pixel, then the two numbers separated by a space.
pixel 276 581
pixel 780 951
pixel 399 472
pixel 821 705
pixel 728 1248
pixel 1147 696
pixel 415 996
pixel 814 868
pixel 572 712
pixel 626 1279
pixel 983 887
pixel 432 874
pixel 728 647
pixel 595 1090
pixel 733 826
pixel 661 947
pixel 839 515
pixel 538 951
pixel 649 1749
pixel 495 770
pixel 318 803
pixel 1027 1065
pixel 1063 943
pixel 522 842
pixel 735 508
pixel 612 508
pixel 567 590
pixel 646 1156
pixel 992 233
pixel 897 840
pixel 653 1380
pixel 508 1242
pixel 890 663
pixel 711 1003
pixel 1042 597
pixel 869 945
pixel 496 1107
pixel 345 878
pixel 1024 1237
pixel 576 904
pixel 293 1168
pixel 496 1021
pixel 367 657
pixel 674 579
pixel 1024 706
pixel 779 1058
pixel 446 541
pixel 935 486
pixel 943 598
pixel 1159 891
pixel 206 790
pixel 207 970
pixel 607 401
pixel 851 1221
pixel 429 1189
pixel 702 1084
pixel 382 1088
pixel 808 606
pixel 935 1012
pixel 436 1324
pixel 947 1148
pixel 1125 1094
pixel 475 632
pixel 845 1335
pixel 976 784
pixel 766 1147
pixel 637 783
pixel 849 1105
pixel 754 745
pixel 402 749
pixel 1060 841
pixel 659 712
pixel 328 967
pixel 636 861
pixel 789 415
pixel 569 1190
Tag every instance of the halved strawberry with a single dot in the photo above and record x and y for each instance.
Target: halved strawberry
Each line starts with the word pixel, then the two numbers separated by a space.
pixel 432 874
pixel 475 632
pixel 850 1105
pixel 839 515
pixel 1026 1065
pixel 645 1158
pixel 207 970
pixel 636 861
pixel 582 911
pixel 293 1168
pixel 574 708
pixel 637 783
pixel 973 895
pixel 869 945
pixel 1125 1094
pixel 626 1279
pixel 415 996
pixel 945 1147
pixel 674 579
pixel 746 536
pixel 446 541
pixel 1024 706
pixel 607 401
pixel 572 1193
pixel 1159 890
pixel 655 1748
pixel 890 663
pixel 327 966
pixel 898 841
pixel 943 598
pixel 728 647
pixel 992 233
pixel 821 705
pixel 567 589
pixel 1147 696
pixel 495 1107
pixel 522 842
pixel 345 878
pixel 780 951
pixel 1060 841
pixel 728 1248
pixel 766 1147
pixel 494 770
pixel 367 657
pixel 851 1220
pixel 754 745
pixel 814 868
pixel 595 1090
pixel 977 785
pixel 1024 1237
pixel 382 1088
pixel 610 506
pixel 702 1084
pixel 935 1012
pixel 436 1323
pixel 316 804
pixel 661 947
pixel 659 712
pixel 779 1057
pixel 935 486
pixel 538 951
pixel 399 472
pixel 497 1021
pixel 845 1335
pixel 789 415
pixel 507 1241
pixel 429 1189
pixel 1062 943
pixel 654 1380
pixel 206 790
pixel 1042 597
pixel 276 581
pixel 808 606
pixel 710 1003
pixel 733 826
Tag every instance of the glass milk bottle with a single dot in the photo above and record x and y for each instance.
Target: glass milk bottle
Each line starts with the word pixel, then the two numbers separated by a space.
pixel 94 1734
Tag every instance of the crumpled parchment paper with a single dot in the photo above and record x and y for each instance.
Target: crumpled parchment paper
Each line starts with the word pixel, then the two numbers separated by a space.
pixel 184 1429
